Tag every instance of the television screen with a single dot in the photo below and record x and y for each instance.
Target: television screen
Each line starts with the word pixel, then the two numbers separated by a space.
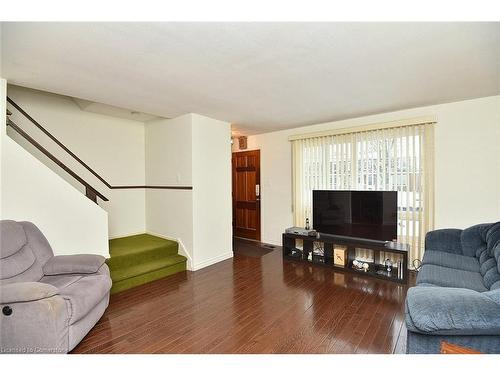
pixel 363 214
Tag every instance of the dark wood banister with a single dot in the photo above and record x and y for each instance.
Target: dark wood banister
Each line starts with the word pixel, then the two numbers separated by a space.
pixel 90 192
pixel 60 144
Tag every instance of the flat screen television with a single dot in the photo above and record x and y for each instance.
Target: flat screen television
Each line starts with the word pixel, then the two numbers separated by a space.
pixel 370 215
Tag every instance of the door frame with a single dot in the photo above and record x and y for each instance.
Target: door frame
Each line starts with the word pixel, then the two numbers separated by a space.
pixel 258 201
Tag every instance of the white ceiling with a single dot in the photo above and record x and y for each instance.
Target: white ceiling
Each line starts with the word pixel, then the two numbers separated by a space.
pixel 258 76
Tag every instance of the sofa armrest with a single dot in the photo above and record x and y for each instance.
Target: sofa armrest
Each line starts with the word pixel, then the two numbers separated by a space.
pixel 69 264
pixel 26 292
pixel 447 240
pixel 451 311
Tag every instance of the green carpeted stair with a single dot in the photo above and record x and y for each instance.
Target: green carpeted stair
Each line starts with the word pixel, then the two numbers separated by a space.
pixel 136 260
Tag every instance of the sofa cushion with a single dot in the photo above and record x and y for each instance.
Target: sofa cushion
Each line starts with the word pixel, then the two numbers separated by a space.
pixel 450 277
pixel 24 250
pixel 491 277
pixel 61 281
pixel 26 292
pixel 428 285
pixel 495 286
pixel 461 262
pixel 12 238
pixel 483 256
pixel 452 311
pixel 493 238
pixel 494 295
pixel 84 294
pixel 496 255
pixel 488 269
pixel 17 263
pixel 474 238
pixel 445 240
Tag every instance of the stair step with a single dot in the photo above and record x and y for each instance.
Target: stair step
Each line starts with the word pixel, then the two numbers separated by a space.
pixel 137 243
pixel 144 268
pixel 130 251
pixel 132 282
pixel 139 259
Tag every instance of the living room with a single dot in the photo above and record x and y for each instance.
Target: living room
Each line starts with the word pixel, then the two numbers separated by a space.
pixel 251 188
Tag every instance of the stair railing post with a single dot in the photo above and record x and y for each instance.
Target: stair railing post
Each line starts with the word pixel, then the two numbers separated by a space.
pixel 91 194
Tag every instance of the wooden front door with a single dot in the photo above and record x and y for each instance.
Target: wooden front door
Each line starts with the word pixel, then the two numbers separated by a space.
pixel 246 194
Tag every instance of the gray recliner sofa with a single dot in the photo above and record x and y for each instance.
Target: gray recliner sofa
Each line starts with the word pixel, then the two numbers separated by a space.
pixel 457 296
pixel 49 303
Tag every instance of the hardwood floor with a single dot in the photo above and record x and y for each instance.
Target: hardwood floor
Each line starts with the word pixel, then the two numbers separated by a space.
pixel 252 304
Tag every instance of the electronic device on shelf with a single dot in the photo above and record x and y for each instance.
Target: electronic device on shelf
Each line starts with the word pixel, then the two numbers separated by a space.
pixel 340 253
pixel 296 253
pixel 301 231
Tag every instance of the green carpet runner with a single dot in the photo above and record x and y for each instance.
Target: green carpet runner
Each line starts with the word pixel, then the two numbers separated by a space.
pixel 136 260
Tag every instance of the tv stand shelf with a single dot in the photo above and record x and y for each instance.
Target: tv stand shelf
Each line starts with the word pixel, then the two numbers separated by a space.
pixel 328 242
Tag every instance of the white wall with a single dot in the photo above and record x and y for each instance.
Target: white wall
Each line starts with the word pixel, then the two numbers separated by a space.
pixel 169 213
pixel 113 147
pixel 30 191
pixel 212 203
pixel 467 164
pixel 168 151
pixel 126 211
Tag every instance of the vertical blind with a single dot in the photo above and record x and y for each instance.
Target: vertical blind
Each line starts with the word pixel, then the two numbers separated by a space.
pixel 396 159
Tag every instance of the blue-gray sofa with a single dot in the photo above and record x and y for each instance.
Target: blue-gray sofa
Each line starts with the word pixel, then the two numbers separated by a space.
pixel 457 293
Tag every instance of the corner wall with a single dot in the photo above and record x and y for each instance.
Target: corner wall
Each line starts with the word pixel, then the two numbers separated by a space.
pixel 212 202
pixel 169 213
pixel 191 150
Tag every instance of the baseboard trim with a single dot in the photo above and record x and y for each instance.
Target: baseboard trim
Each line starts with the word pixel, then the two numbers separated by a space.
pixel 182 248
pixel 209 262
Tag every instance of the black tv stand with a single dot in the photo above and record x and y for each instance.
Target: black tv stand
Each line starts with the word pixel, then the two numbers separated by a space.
pixel 327 242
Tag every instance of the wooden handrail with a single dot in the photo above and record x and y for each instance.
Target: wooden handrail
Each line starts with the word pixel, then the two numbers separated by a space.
pixel 90 192
pixel 59 143
pixel 74 156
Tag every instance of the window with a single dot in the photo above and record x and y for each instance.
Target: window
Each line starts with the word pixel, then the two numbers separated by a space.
pixel 393 158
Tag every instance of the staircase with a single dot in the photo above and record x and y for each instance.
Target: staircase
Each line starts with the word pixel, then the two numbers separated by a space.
pixel 136 260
